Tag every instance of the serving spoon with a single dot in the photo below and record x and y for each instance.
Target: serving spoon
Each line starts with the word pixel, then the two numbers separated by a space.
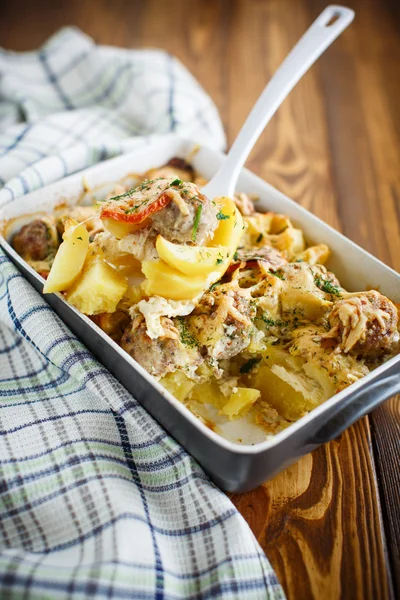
pixel 325 29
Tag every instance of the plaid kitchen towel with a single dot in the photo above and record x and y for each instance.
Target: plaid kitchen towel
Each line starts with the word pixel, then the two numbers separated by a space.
pixel 96 500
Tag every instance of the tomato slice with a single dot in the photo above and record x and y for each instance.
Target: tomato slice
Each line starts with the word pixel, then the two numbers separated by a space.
pixel 116 212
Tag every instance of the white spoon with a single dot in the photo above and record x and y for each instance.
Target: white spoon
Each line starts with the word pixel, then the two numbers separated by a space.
pixel 330 23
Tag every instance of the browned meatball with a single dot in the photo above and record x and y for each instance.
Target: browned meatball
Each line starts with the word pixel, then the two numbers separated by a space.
pixel 365 324
pixel 194 224
pixel 37 241
pixel 222 322
pixel 161 355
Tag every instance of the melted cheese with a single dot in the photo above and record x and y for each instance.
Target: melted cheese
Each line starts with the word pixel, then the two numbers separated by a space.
pixel 156 307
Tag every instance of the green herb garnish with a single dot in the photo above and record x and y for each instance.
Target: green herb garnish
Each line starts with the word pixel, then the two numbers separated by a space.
pixel 196 222
pixel 235 256
pixel 187 338
pixel 260 237
pixel 249 365
pixel 219 261
pixel 278 275
pixel 326 286
pixel 221 216
pixel 176 182
pixel 213 286
pixel 139 188
pixel 268 321
pixel 79 238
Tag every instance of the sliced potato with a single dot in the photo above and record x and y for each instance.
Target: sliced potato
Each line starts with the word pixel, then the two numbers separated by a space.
pixel 289 402
pixel 70 258
pixel 240 402
pixel 230 229
pixel 98 289
pixel 208 393
pixel 178 384
pixel 192 260
pixel 119 229
pixel 163 280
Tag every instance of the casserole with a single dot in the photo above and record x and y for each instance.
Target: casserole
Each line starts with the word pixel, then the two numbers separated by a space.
pixel 233 466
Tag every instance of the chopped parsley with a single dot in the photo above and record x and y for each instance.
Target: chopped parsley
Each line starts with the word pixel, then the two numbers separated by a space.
pixel 221 216
pixel 213 286
pixel 145 185
pixel 79 238
pixel 176 181
pixel 260 237
pixel 271 322
pixel 196 222
pixel 326 286
pixel 187 338
pixel 219 261
pixel 249 365
pixel 278 275
pixel 235 256
pixel 268 321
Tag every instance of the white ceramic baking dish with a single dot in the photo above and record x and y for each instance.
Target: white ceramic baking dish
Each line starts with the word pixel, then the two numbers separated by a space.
pixel 233 466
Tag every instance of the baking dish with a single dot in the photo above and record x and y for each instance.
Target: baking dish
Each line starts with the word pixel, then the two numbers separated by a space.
pixel 233 466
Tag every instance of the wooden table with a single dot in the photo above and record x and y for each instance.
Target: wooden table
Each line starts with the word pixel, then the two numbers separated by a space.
pixel 330 524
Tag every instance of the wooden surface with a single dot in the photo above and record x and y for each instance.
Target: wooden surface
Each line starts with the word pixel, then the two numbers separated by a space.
pixel 331 523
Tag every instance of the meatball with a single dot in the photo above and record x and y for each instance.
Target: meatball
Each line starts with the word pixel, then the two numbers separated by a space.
pixel 37 241
pixel 222 322
pixel 174 208
pixel 161 355
pixel 194 221
pixel 365 324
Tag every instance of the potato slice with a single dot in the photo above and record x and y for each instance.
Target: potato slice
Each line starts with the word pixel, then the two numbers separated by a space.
pixel 192 260
pixel 70 258
pixel 289 402
pixel 98 289
pixel 240 402
pixel 230 229
pixel 163 280
pixel 208 393
pixel 118 229
pixel 178 384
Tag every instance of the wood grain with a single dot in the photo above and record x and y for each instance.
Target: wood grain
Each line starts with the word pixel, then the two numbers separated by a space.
pixel 331 523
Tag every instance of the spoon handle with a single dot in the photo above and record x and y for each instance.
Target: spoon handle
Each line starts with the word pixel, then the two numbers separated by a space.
pixel 325 29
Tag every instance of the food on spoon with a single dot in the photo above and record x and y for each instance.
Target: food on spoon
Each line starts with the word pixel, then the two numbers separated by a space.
pixel 175 209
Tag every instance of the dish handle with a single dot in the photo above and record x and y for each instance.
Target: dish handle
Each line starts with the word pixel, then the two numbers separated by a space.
pixel 358 404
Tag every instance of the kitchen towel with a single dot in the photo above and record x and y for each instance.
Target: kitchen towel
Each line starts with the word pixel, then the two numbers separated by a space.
pixel 96 500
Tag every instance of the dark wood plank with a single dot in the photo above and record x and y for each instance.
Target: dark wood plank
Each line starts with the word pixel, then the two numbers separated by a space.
pixel 385 429
pixel 333 147
pixel 323 536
